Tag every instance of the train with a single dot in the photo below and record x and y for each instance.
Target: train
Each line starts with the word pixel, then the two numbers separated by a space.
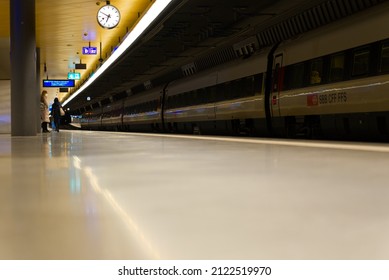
pixel 332 82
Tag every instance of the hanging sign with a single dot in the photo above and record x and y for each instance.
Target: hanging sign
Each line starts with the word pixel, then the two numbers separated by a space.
pixel 80 66
pixel 89 50
pixel 74 76
pixel 58 83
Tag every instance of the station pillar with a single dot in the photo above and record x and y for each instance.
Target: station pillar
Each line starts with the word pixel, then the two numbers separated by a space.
pixel 38 88
pixel 23 68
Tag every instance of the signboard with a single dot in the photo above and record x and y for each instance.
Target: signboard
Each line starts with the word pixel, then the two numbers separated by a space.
pixel 80 66
pixel 89 50
pixel 58 83
pixel 74 76
pixel 63 89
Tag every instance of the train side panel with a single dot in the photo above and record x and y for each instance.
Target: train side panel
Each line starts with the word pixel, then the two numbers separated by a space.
pixel 354 96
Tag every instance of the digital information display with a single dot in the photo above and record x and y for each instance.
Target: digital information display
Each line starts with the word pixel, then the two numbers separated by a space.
pixel 89 50
pixel 74 76
pixel 58 83
pixel 80 66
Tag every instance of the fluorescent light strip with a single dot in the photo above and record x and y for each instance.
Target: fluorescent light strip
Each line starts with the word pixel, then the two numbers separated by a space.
pixel 145 22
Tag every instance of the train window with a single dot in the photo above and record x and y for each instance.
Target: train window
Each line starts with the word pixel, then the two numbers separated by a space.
pixel 201 95
pixel 258 84
pixel 316 71
pixel 175 102
pixel 229 90
pixel 172 102
pixel 212 93
pixel 294 76
pixel 154 105
pixel 193 96
pixel 184 99
pixel 205 95
pixel 337 68
pixel 168 103
pixel 180 100
pixel 189 97
pixel 361 62
pixel 384 63
pixel 287 79
pixel 223 91
pixel 276 74
pixel 247 85
pixel 236 88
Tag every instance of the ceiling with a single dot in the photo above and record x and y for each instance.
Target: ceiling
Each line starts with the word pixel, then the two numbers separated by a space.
pixel 188 34
pixel 63 28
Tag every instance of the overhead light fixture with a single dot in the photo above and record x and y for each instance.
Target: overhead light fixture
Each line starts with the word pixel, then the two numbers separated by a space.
pixel 145 22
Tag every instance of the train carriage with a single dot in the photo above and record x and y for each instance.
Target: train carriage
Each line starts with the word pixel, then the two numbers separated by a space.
pixel 333 81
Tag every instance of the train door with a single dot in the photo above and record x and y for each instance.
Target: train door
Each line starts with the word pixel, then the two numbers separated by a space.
pixel 278 76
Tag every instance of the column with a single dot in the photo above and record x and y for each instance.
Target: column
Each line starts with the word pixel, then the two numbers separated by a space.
pixel 23 68
pixel 38 89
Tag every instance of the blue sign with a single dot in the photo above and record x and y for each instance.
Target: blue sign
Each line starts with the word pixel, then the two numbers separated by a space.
pixel 89 50
pixel 74 76
pixel 58 83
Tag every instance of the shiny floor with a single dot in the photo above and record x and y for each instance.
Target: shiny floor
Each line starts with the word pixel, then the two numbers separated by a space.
pixel 100 195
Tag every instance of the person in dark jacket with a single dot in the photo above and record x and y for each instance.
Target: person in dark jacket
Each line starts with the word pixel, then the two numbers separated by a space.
pixel 56 113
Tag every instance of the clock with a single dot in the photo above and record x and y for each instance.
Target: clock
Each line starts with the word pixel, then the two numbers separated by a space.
pixel 108 16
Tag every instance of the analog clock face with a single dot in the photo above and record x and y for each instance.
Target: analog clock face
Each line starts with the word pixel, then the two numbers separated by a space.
pixel 108 16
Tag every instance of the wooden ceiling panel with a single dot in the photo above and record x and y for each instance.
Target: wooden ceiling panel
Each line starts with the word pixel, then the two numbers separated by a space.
pixel 64 27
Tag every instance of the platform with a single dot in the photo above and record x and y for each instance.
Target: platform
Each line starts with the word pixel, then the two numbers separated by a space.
pixel 102 195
